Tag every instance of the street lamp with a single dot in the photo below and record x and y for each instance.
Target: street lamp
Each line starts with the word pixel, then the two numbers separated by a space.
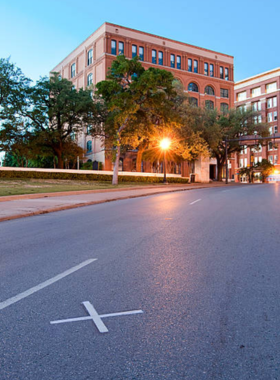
pixel 164 144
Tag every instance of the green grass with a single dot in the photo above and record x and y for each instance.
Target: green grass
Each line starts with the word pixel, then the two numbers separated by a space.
pixel 34 186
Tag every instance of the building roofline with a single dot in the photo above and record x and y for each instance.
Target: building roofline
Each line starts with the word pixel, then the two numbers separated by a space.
pixel 139 31
pixel 168 39
pixel 258 76
pixel 78 46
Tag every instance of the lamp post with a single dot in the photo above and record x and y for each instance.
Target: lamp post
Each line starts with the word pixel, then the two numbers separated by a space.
pixel 164 144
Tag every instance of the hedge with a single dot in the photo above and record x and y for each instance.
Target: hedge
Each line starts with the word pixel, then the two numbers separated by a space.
pixel 12 174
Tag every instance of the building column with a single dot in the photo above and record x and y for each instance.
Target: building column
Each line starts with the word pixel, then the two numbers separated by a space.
pixel 94 51
pixel 201 66
pixel 166 58
pixel 127 49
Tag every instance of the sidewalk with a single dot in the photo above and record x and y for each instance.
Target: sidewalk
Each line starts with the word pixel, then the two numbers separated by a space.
pixel 19 206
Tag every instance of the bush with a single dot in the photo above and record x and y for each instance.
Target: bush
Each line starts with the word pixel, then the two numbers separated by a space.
pixel 84 177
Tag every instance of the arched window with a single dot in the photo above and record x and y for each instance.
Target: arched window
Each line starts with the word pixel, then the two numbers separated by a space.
pixel 89 146
pixel 224 107
pixel 89 79
pixel 193 101
pixel 209 104
pixel 209 90
pixel 193 87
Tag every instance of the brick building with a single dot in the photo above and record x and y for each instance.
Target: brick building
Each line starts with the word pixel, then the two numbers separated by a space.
pixel 262 93
pixel 206 75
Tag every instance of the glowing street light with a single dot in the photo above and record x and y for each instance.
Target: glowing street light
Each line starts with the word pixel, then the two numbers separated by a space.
pixel 164 144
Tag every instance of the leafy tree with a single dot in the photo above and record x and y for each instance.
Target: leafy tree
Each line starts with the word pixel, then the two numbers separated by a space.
pixel 51 115
pixel 13 86
pixel 137 100
pixel 266 168
pixel 217 127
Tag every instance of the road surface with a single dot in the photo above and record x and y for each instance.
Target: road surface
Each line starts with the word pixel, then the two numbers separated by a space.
pixel 198 270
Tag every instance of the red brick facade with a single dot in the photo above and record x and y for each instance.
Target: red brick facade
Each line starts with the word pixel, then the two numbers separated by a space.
pixel 262 93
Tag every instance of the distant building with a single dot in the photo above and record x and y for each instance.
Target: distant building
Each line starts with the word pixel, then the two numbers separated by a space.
pixel 262 92
pixel 206 75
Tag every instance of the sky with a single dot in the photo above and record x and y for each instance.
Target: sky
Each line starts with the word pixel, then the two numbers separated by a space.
pixel 37 35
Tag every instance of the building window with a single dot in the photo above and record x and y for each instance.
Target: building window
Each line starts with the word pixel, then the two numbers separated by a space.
pixel 121 48
pixel 73 70
pixel 270 159
pixel 209 104
pixel 141 53
pixel 256 91
pixel 89 79
pixel 195 66
pixel 275 115
pixel 154 56
pixel 89 146
pixel 205 68
pixel 226 73
pixel 221 72
pixel 276 129
pixel 271 87
pixel 275 101
pixel 255 106
pixel 211 70
pixel 172 60
pixel 193 87
pixel 224 93
pixel 193 101
pixel 209 90
pixel 270 146
pixel 270 130
pixel 259 105
pixel 241 163
pixel 224 107
pixel 241 96
pixel 113 47
pixel 160 58
pixel 269 103
pixel 90 57
pixel 259 118
pixel 275 160
pixel 134 51
pixel 179 62
pixel 190 64
pixel 269 117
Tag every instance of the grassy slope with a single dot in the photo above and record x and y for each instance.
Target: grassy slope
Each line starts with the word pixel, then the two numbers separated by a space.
pixel 33 186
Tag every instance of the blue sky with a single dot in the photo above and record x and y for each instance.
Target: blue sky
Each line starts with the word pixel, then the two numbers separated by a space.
pixel 39 34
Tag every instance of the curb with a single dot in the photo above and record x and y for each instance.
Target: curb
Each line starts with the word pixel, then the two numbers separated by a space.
pixel 77 205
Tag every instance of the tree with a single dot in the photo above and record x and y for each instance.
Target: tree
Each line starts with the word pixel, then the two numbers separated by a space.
pixel 52 114
pixel 266 168
pixel 217 127
pixel 13 86
pixel 137 100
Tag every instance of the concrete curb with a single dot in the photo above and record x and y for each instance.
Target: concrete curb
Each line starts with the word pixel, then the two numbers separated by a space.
pixel 77 205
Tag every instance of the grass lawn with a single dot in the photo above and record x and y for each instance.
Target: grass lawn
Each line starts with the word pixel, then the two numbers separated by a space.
pixel 34 186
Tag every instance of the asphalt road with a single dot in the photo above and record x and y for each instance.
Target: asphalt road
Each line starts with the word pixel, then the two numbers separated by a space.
pixel 202 265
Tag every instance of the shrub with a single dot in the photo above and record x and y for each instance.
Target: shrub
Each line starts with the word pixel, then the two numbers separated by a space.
pixel 85 177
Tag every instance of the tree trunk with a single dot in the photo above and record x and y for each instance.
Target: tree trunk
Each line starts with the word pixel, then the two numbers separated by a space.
pixel 139 159
pixel 59 160
pixel 220 170
pixel 116 166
